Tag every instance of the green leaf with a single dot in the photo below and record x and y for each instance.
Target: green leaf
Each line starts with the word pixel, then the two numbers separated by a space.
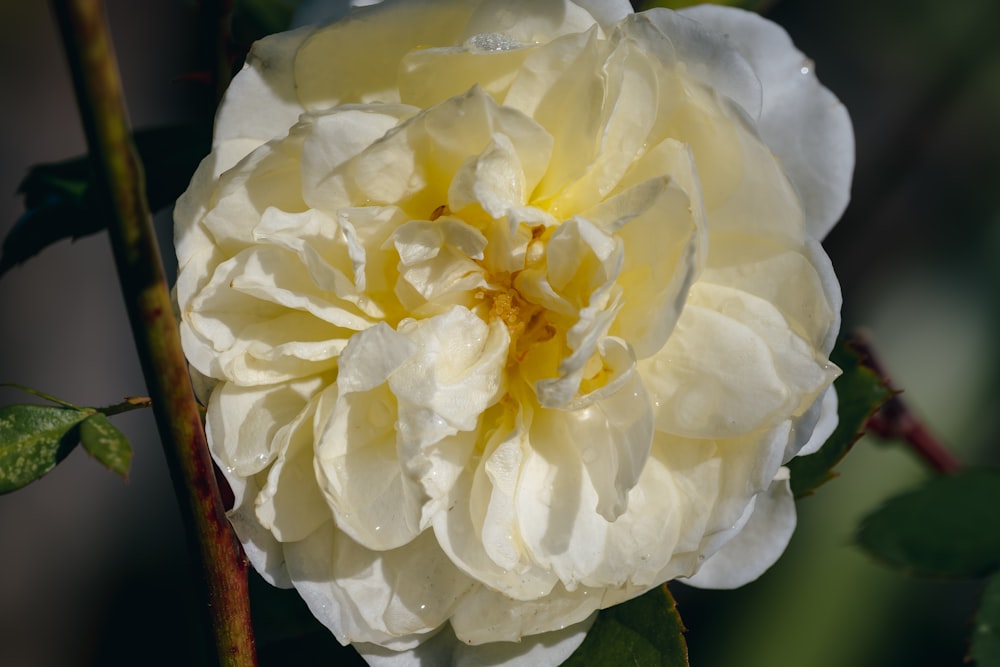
pixel 33 439
pixel 643 632
pixel 106 444
pixel 860 392
pixel 950 527
pixel 986 632
pixel 60 199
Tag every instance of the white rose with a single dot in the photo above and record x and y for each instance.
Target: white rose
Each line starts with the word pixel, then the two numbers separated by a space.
pixel 513 311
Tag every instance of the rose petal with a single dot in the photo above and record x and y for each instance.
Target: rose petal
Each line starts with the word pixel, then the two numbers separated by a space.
pixel 242 423
pixel 290 504
pixel 731 367
pixel 757 545
pixel 266 84
pixel 802 122
pixel 547 649
pixel 263 551
pixel 375 596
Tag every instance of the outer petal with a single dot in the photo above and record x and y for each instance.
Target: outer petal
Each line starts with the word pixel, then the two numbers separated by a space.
pixel 261 102
pixel 733 366
pixel 802 122
pixel 326 71
pixel 263 551
pixel 547 649
pixel 607 12
pixel 675 38
pixel 396 598
pixel 757 545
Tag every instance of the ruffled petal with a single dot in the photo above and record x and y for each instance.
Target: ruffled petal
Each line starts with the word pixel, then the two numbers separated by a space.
pixel 326 71
pixel 732 367
pixel 263 551
pixel 802 121
pixel 484 616
pixel 546 649
pixel 290 504
pixel 395 598
pixel 243 423
pixel 267 85
pixel 757 544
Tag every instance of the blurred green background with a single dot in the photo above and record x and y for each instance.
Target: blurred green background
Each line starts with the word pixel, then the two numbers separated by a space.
pixel 94 572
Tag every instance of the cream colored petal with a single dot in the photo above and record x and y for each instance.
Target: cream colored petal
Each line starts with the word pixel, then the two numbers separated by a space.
pixel 494 180
pixel 716 483
pixel 290 504
pixel 268 177
pixel 528 21
pixel 732 366
pixel 356 459
pixel 628 116
pixel 802 122
pixel 290 346
pixel 395 598
pixel 813 429
pixel 275 275
pixel 641 542
pixel 261 102
pixel 484 616
pixel 243 423
pixel 371 357
pixel 798 281
pixel 263 551
pixel 556 504
pixel 583 263
pixel 436 260
pixel 454 376
pixel 361 476
pixel 655 276
pixel 327 249
pixel 326 71
pixel 479 530
pixel 413 165
pixel 335 136
pixel 562 88
pixel 547 649
pixel 430 76
pixel 757 545
pixel 607 12
pixel 674 38
pixel 612 427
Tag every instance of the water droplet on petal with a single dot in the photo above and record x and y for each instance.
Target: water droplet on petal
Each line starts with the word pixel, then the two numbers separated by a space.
pixel 492 41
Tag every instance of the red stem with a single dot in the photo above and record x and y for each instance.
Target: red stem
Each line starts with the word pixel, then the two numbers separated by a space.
pixel 895 419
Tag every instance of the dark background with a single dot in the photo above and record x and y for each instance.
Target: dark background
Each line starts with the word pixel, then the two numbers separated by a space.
pixel 93 570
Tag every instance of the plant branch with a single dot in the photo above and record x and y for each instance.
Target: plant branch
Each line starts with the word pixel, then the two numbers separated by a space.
pixel 140 272
pixel 895 419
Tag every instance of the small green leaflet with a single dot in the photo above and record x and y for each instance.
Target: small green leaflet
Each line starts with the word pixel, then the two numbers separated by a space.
pixel 860 392
pixel 949 527
pixel 106 443
pixel 986 628
pixel 644 632
pixel 33 439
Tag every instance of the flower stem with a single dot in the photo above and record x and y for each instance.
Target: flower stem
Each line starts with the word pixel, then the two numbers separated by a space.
pixel 140 272
pixel 895 420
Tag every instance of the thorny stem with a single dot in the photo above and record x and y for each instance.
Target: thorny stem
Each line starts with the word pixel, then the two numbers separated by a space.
pixel 895 420
pixel 214 547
